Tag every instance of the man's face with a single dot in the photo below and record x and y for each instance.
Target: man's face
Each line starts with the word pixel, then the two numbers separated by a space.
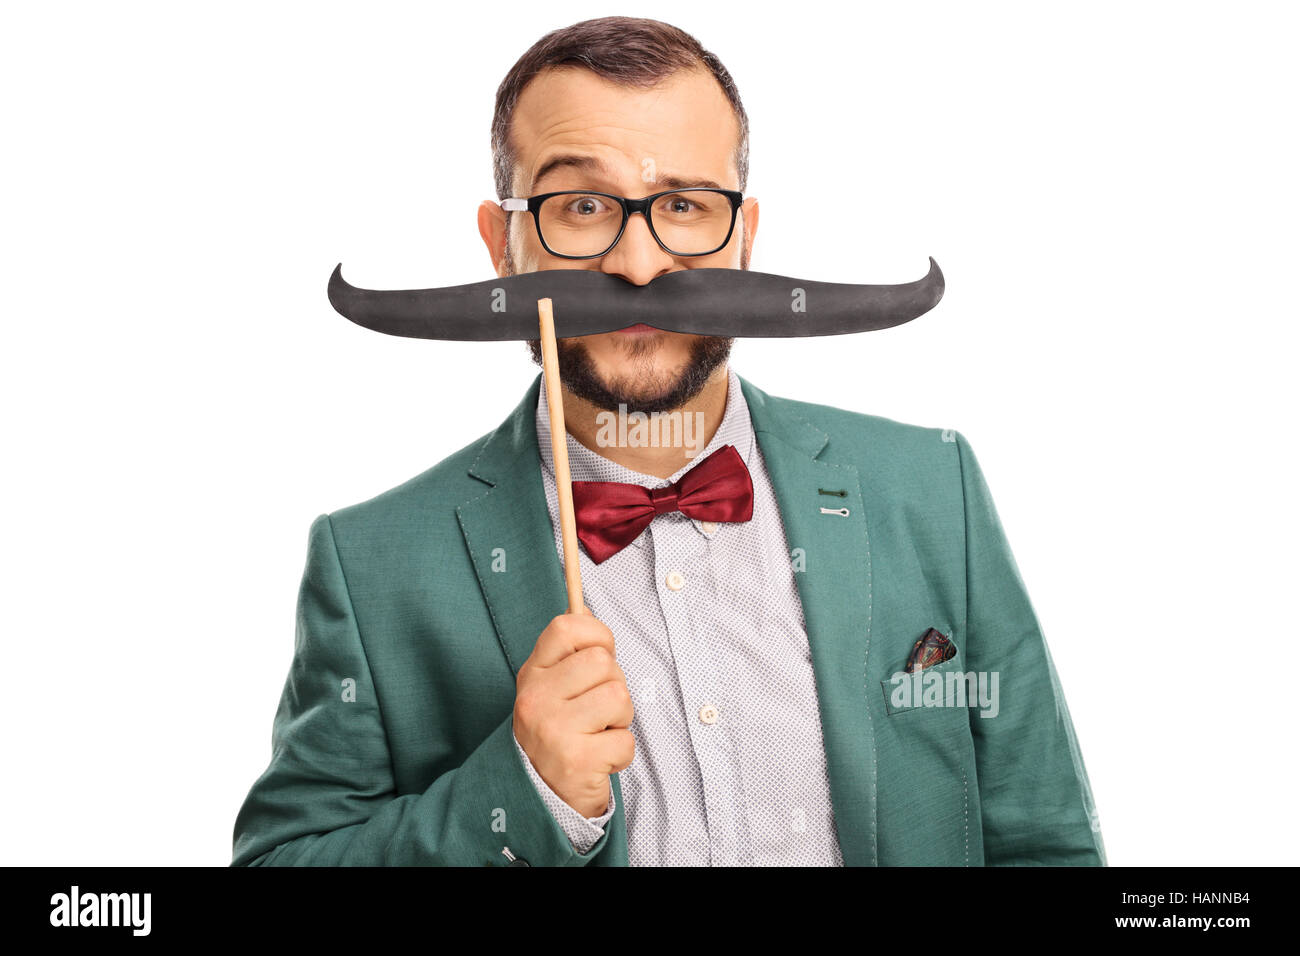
pixel 575 130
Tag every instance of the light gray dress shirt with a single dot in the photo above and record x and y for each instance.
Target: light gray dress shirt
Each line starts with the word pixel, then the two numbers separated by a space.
pixel 730 768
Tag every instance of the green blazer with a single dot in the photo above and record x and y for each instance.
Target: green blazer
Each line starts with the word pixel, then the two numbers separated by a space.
pixel 392 743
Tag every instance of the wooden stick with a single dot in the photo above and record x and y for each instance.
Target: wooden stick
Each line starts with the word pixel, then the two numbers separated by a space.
pixel 560 452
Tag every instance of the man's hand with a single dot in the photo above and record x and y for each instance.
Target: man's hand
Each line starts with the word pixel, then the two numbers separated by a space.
pixel 573 710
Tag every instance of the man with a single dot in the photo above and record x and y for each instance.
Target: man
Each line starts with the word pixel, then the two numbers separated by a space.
pixel 768 688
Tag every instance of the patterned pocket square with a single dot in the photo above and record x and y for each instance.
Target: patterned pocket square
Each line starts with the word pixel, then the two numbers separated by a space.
pixel 933 648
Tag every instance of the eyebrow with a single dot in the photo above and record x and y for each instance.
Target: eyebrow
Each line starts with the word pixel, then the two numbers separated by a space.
pixel 593 164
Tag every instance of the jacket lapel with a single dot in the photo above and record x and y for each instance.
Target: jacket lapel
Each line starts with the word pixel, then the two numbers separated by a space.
pixel 835 590
pixel 507 528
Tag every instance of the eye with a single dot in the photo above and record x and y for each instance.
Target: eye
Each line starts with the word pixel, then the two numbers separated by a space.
pixel 583 206
pixel 688 206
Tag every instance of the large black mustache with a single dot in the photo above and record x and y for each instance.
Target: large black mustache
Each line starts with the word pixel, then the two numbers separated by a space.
pixel 725 302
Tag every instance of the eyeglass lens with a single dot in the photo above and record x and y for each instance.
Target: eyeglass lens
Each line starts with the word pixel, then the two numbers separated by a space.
pixel 687 222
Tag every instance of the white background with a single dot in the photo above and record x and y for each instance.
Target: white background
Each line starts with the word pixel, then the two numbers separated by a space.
pixel 1110 189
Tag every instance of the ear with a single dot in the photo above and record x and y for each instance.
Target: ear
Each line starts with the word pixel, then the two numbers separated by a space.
pixel 492 227
pixel 749 216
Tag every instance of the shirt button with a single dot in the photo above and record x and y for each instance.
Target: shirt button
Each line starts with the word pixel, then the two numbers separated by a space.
pixel 708 714
pixel 675 581
pixel 709 526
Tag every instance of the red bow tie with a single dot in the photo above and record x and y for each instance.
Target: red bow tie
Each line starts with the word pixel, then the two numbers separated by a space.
pixel 610 514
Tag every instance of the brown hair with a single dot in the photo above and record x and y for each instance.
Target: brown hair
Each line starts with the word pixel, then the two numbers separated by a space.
pixel 627 50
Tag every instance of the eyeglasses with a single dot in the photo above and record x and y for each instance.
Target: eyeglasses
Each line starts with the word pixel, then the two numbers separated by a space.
pixel 580 224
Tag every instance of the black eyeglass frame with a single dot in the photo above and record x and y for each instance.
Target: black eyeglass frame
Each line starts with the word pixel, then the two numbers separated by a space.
pixel 533 204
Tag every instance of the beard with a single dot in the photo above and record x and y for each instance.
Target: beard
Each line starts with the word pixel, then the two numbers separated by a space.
pixel 643 388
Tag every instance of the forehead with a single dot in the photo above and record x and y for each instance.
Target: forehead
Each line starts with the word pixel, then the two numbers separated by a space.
pixel 682 127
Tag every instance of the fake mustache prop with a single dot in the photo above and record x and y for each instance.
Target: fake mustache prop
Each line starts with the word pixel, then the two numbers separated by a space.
pixel 724 302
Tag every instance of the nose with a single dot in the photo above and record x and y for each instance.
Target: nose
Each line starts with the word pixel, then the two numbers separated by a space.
pixel 636 257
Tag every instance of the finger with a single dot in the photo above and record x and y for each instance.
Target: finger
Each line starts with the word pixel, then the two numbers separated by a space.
pixel 606 705
pixel 582 670
pixel 568 633
pixel 612 750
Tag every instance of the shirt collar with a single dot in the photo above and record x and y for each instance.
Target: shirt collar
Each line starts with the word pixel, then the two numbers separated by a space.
pixel 736 428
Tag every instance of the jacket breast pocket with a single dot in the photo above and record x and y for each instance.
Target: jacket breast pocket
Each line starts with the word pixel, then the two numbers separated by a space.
pixel 941 685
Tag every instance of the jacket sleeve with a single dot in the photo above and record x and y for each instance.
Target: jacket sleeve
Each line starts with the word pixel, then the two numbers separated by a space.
pixel 328 796
pixel 1035 799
